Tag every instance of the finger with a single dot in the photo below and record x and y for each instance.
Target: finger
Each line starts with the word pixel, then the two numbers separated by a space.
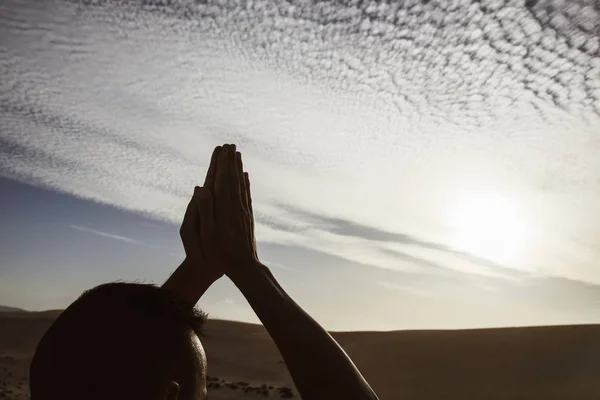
pixel 247 217
pixel 242 178
pixel 250 213
pixel 234 180
pixel 221 187
pixel 208 227
pixel 248 195
pixel 209 181
pixel 249 200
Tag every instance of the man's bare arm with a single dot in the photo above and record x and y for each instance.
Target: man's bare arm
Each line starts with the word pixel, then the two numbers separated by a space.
pixel 318 365
pixel 195 275
pixel 188 282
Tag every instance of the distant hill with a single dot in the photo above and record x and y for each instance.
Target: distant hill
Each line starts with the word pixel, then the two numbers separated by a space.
pixel 11 309
pixel 533 363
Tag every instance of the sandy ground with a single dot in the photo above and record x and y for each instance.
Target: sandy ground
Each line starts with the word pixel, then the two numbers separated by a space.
pixel 515 363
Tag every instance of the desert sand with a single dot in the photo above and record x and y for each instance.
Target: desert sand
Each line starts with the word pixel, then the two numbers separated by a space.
pixel 558 362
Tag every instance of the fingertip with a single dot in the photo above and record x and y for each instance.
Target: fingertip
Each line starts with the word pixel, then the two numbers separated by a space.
pixel 222 152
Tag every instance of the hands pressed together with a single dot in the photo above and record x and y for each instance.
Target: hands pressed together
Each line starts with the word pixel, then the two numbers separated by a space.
pixel 218 228
pixel 218 237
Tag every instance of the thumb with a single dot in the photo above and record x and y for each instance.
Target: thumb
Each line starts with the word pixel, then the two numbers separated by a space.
pixel 208 227
pixel 190 225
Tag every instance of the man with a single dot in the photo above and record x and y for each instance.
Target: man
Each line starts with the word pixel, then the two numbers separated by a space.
pixel 137 341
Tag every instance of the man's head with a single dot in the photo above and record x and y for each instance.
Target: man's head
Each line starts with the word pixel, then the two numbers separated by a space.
pixel 122 341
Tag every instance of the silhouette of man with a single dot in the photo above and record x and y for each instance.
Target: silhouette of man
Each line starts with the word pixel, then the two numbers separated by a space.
pixel 139 341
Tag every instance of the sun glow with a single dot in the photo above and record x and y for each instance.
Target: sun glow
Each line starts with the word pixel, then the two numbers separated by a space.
pixel 489 225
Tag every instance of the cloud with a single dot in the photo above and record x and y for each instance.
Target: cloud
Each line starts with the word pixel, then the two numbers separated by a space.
pixel 278 265
pixel 403 288
pixel 125 239
pixel 375 113
pixel 108 235
pixel 343 227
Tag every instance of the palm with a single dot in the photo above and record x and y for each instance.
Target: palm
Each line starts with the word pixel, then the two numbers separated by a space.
pixel 192 244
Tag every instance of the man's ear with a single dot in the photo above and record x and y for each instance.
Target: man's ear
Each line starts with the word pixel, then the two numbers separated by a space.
pixel 171 391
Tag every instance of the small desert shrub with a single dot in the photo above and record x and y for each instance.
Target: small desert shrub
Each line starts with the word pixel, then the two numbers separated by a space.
pixel 285 392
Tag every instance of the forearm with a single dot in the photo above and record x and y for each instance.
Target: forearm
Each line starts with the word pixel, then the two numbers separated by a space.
pixel 188 283
pixel 318 365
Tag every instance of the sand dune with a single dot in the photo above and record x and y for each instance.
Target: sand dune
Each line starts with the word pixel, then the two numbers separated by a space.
pixel 559 362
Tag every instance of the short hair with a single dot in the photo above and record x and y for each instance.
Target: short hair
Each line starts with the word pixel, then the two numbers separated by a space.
pixel 119 341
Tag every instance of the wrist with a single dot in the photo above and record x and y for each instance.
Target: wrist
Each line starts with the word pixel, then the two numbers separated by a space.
pixel 262 291
pixel 202 277
pixel 247 273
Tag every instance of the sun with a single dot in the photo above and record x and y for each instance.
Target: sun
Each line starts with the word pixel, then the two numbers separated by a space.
pixel 489 225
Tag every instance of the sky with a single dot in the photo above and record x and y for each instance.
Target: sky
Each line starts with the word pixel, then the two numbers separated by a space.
pixel 414 165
